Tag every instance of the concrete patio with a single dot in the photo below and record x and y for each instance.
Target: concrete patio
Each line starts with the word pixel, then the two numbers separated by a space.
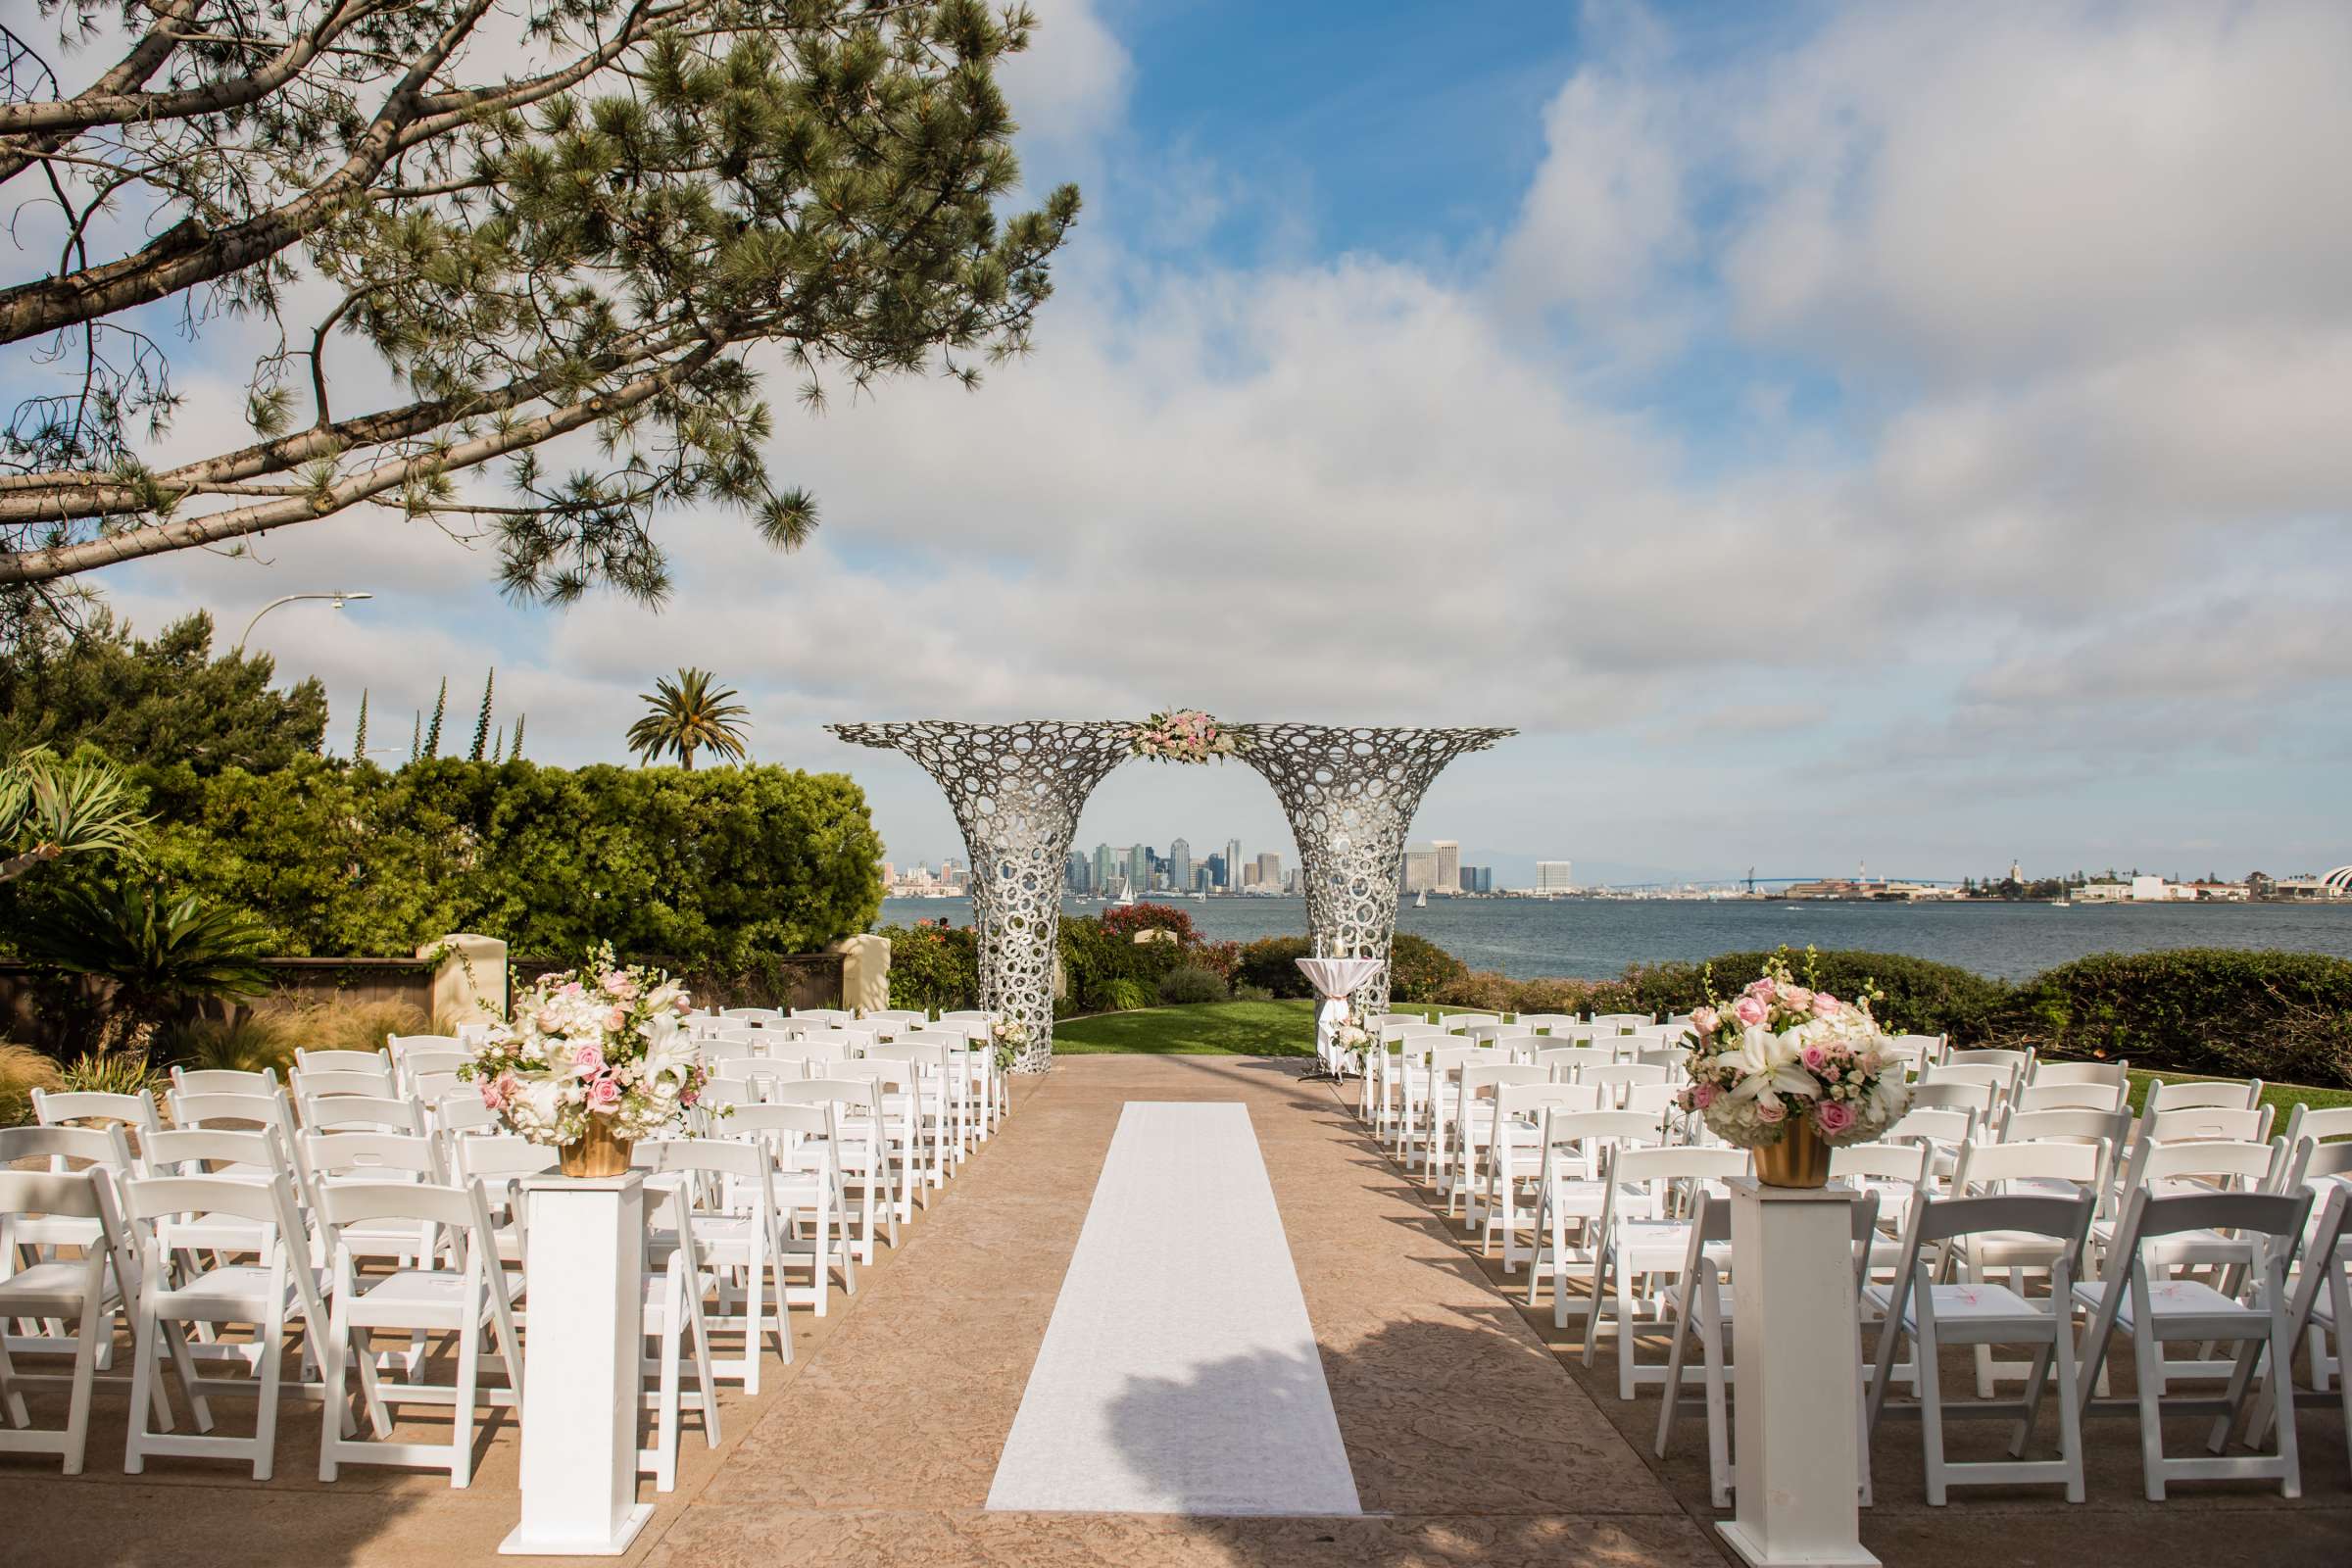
pixel 1473 1431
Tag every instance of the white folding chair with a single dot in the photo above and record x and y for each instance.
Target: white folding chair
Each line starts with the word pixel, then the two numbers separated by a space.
pixel 1477 1124
pixel 1640 1239
pixel 2155 1312
pixel 1977 1314
pixel 1617 1078
pixel 802 1143
pixel 363 1113
pixel 731 1202
pixel 89 1291
pixel 53 1108
pixel 280 1287
pixel 1572 1189
pixel 673 1318
pixel 378 1220
pixel 1515 1157
pixel 2319 1305
pixel 375 1063
pixel 2177 1093
pixel 860 1153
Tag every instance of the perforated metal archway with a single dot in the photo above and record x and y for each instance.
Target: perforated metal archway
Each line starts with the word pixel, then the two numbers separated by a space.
pixel 1017 790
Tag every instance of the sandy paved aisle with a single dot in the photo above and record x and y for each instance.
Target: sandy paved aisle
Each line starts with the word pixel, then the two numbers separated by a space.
pixel 1467 1441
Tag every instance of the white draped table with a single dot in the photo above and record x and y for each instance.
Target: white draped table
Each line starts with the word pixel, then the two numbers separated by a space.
pixel 1335 980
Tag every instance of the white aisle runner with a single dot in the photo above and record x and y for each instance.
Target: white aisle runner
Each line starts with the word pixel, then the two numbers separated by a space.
pixel 1179 1374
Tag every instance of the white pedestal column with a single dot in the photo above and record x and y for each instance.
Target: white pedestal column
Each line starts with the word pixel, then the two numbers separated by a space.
pixel 581 1383
pixel 1794 1426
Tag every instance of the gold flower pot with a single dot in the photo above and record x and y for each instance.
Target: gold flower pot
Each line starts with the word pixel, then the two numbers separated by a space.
pixel 602 1152
pixel 1800 1160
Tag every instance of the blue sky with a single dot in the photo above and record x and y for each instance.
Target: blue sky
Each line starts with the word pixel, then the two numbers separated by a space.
pixel 1896 432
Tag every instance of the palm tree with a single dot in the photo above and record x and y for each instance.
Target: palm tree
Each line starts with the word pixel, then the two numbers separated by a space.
pixel 687 716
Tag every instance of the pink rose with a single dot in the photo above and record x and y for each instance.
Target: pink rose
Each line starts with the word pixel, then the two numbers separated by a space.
pixel 604 1091
pixel 1768 1111
pixel 1793 995
pixel 1816 1058
pixel 1705 1020
pixel 587 1060
pixel 1834 1116
pixel 490 1099
pixel 1751 1009
pixel 1702 1096
pixel 618 1019
pixel 1761 988
pixel 1826 1005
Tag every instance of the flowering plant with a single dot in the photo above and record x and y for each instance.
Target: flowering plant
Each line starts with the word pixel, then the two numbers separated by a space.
pixel 597 1041
pixel 1779 1052
pixel 1181 735
pixel 1011 1037
pixel 1354 1040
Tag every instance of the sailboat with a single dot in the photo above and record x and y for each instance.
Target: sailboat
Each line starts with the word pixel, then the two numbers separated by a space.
pixel 1421 900
pixel 1126 895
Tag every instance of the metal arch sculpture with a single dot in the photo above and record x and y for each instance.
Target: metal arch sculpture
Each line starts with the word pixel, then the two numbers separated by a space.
pixel 1350 795
pixel 1016 791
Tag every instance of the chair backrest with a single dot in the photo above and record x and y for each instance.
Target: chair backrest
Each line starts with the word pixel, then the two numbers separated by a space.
pixel 836 1016
pixel 501 1157
pixel 1936 1219
pixel 2040 1096
pixel 1976 1097
pixel 2250 1166
pixel 733 1046
pixel 1620 1020
pixel 1527 1097
pixel 105 1146
pixel 757 1014
pixel 1480 1078
pixel 67 1195
pixel 2177 1094
pixel 718 1156
pixel 189 1110
pixel 371 1061
pixel 319 1083
pixel 224 1080
pixel 2279 1215
pixel 55 1107
pixel 1618 1074
pixel 1457 1022
pixel 343 1155
pixel 1568 1060
pixel 346 1114
pixel 1599 1127
pixel 1888 1163
pixel 1657 1165
pixel 2206 1123
pixel 1674 1058
pixel 1541 1021
pixel 424 1062
pixel 2072 1126
pixel 859 1095
pixel 1937 1124
pixel 2333 1121
pixel 1992 1166
pixel 2118 1073
pixel 401 1045
pixel 2018 1062
pixel 808 1120
pixel 462 1208
pixel 146 1199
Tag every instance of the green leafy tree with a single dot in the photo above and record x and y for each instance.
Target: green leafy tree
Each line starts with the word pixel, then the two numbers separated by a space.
pixel 481 722
pixel 49 808
pixel 157 950
pixel 161 699
pixel 599 233
pixel 687 716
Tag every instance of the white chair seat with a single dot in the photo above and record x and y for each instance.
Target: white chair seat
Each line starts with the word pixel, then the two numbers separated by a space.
pixel 44 1290
pixel 233 1293
pixel 2170 1303
pixel 1977 1305
pixel 410 1295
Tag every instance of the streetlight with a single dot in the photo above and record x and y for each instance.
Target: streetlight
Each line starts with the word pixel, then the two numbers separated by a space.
pixel 341 599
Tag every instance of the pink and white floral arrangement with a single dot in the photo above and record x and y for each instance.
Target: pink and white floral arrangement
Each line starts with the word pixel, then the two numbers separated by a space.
pixel 602 1039
pixel 1009 1037
pixel 1779 1052
pixel 1181 735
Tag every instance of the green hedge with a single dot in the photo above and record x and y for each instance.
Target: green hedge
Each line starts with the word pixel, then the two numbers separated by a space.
pixel 720 865
pixel 933 967
pixel 2281 1016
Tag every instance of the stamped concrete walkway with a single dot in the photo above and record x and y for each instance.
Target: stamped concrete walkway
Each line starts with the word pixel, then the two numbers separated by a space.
pixel 1472 1434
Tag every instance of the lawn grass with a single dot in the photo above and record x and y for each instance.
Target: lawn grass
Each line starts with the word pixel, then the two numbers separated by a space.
pixel 1205 1029
pixel 1287 1029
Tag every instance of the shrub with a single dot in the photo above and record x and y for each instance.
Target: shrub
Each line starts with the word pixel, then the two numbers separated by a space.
pixel 1419 969
pixel 1919 997
pixel 1124 920
pixel 2281 1016
pixel 1096 952
pixel 1250 993
pixel 247 1045
pixel 357 1026
pixel 933 967
pixel 1189 984
pixel 1271 963
pixel 1122 995
pixel 23 1069
pixel 112 1072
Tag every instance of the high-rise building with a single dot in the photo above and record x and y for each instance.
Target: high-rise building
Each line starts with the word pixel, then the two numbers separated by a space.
pixel 1180 865
pixel 1139 868
pixel 1216 869
pixel 1552 876
pixel 1269 869
pixel 1077 873
pixel 1420 869
pixel 1233 864
pixel 1477 879
pixel 1448 876
pixel 1106 868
